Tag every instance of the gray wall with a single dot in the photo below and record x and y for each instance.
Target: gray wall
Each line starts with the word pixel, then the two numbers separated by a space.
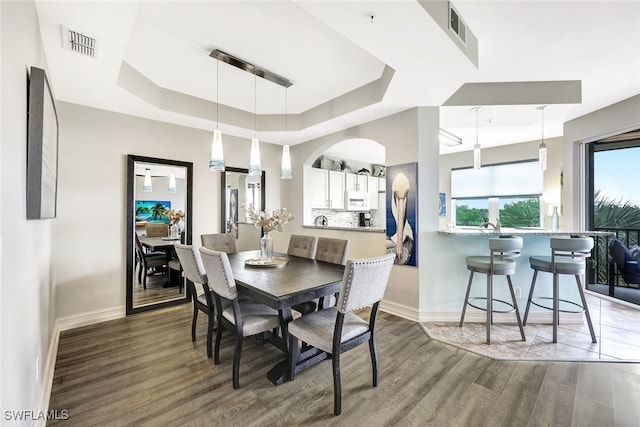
pixel 26 267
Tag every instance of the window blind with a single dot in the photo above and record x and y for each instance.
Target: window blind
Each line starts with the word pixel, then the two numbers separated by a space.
pixel 508 179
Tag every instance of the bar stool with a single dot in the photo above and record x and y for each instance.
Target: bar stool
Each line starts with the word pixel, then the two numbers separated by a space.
pixel 567 257
pixel 500 262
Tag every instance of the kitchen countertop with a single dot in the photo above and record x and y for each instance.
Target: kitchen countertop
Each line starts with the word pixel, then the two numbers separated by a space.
pixel 524 231
pixel 365 229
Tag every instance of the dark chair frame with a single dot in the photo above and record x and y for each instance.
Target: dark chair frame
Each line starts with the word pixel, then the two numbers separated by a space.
pixel 147 261
pixel 626 265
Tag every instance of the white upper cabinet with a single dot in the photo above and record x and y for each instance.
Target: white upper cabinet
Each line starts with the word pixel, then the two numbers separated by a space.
pixel 316 182
pixel 355 182
pixel 336 190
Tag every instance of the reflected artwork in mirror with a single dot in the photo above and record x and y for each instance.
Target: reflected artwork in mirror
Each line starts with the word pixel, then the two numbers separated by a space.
pixel 240 191
pixel 159 214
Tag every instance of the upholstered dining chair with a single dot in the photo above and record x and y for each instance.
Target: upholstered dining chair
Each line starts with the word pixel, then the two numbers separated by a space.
pixel 147 261
pixel 191 263
pixel 337 329
pixel 302 246
pixel 242 318
pixel 327 250
pixel 157 230
pixel 223 242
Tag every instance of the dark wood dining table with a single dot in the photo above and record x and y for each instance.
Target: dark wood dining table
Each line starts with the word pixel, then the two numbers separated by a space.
pixel 299 280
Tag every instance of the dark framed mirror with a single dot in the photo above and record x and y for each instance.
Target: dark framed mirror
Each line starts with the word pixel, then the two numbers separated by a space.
pixel 159 212
pixel 239 190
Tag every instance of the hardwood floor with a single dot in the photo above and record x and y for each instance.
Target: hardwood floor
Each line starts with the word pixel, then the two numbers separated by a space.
pixel 144 370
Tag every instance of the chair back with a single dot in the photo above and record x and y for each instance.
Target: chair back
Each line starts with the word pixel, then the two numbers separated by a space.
pixel 191 263
pixel 507 247
pixel 575 247
pixel 219 273
pixel 302 246
pixel 332 250
pixel 364 282
pixel 221 242
pixel 157 230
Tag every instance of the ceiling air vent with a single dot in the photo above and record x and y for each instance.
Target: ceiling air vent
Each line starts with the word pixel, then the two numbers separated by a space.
pixel 79 42
pixel 457 25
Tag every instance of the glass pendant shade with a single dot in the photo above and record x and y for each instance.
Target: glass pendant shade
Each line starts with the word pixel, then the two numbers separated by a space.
pixel 254 158
pixel 285 172
pixel 477 161
pixel 146 185
pixel 542 156
pixel 216 164
pixel 172 183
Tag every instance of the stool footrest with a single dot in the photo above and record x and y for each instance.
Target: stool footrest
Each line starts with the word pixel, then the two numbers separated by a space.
pixel 533 301
pixel 511 310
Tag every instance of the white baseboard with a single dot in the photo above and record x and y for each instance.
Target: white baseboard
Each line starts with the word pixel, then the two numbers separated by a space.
pixel 50 365
pixel 416 315
pixel 90 318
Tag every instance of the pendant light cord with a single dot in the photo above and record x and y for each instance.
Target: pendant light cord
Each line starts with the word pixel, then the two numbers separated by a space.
pixel 217 93
pixel 255 105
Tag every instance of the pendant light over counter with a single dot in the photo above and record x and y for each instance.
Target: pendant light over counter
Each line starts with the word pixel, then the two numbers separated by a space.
pixel 216 164
pixel 173 188
pixel 542 149
pixel 217 159
pixel 146 185
pixel 477 160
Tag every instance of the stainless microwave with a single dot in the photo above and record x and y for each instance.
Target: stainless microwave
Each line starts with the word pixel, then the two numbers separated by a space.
pixel 357 201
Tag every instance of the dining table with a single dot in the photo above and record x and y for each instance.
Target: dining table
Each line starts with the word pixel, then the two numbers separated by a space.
pixel 281 284
pixel 166 245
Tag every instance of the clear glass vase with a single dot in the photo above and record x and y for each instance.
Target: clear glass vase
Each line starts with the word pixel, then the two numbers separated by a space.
pixel 266 248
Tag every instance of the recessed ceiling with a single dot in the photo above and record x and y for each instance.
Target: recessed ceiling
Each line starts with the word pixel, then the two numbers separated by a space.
pixel 331 49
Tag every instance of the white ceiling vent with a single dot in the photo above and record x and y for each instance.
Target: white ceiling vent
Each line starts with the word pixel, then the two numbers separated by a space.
pixel 79 42
pixel 457 25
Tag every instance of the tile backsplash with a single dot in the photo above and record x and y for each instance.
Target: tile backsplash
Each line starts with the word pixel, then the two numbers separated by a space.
pixel 337 218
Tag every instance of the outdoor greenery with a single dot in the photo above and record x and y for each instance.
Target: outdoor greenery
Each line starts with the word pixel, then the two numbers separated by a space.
pixel 466 216
pixel 524 213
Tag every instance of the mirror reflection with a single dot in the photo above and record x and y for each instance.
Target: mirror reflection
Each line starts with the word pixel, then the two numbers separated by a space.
pixel 241 192
pixel 159 201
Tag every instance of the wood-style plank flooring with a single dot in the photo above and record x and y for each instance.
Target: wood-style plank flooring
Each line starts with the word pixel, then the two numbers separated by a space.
pixel 144 370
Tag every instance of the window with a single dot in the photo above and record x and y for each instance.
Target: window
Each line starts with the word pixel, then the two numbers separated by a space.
pixel 510 192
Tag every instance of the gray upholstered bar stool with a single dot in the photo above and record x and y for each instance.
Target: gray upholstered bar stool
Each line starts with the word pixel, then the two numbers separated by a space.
pixel 500 262
pixel 568 256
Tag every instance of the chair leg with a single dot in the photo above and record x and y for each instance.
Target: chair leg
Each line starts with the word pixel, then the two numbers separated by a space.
pixel 193 323
pixel 556 305
pixel 489 306
pixel 374 359
pixel 466 299
pixel 515 306
pixel 216 353
pixel 210 329
pixel 533 284
pixel 236 362
pixel 337 389
pixel 586 310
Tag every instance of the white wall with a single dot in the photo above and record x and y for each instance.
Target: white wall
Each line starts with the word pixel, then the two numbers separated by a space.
pixel 26 266
pixel 90 260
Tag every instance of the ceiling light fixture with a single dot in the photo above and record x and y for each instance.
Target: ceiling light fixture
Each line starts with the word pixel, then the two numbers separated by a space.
pixel 254 159
pixel 172 183
pixel 285 169
pixel 542 149
pixel 216 164
pixel 477 161
pixel 448 139
pixel 146 185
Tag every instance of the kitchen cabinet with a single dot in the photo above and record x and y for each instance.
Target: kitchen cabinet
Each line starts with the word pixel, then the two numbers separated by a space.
pixel 372 188
pixel 316 184
pixel 336 190
pixel 354 182
pixel 382 185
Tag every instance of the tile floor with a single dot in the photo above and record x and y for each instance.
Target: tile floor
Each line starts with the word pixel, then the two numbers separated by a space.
pixel 617 329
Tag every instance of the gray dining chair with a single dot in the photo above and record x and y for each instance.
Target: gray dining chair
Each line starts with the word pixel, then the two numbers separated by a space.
pixel 157 230
pixel 242 318
pixel 193 268
pixel 337 329
pixel 223 242
pixel 302 246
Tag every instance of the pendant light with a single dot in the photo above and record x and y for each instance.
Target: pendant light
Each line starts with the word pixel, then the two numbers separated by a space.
pixel 146 185
pixel 254 159
pixel 285 169
pixel 542 149
pixel 216 164
pixel 477 161
pixel 172 183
